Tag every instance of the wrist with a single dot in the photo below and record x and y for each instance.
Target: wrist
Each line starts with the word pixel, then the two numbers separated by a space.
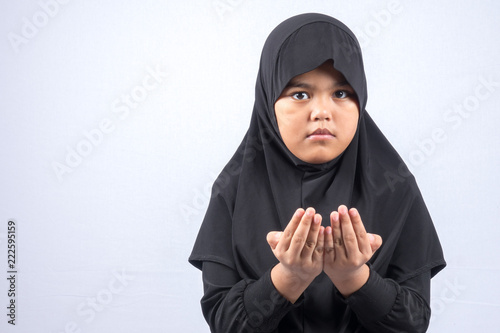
pixel 348 284
pixel 288 283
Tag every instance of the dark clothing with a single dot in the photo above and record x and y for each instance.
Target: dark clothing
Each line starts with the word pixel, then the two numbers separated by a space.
pixel 264 183
pixel 381 305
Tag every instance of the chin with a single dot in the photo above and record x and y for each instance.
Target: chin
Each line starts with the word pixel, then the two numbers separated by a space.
pixel 319 159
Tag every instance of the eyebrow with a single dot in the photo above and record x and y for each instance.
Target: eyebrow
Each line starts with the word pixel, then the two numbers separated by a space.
pixel 299 84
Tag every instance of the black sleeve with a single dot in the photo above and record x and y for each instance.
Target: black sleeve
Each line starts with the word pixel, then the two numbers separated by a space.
pixel 382 305
pixel 231 304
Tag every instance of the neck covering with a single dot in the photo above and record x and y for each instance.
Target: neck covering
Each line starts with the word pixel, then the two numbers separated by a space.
pixel 264 183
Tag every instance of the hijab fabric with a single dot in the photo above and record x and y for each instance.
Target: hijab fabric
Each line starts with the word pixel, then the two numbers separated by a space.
pixel 264 183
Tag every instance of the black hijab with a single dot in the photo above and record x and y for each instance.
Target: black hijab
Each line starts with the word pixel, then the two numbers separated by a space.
pixel 264 183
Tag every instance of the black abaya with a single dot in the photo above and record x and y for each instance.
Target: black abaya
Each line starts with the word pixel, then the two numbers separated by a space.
pixel 264 183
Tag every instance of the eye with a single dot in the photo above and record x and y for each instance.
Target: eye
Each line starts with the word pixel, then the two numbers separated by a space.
pixel 341 94
pixel 300 96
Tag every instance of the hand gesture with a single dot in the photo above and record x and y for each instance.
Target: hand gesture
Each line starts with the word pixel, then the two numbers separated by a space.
pixel 348 247
pixel 299 249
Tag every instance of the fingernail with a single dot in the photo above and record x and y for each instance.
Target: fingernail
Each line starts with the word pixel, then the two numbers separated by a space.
pixel 371 237
pixel 335 216
pixel 317 219
pixel 354 212
pixel 277 235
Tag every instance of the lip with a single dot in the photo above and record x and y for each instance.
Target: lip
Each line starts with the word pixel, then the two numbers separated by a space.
pixel 321 134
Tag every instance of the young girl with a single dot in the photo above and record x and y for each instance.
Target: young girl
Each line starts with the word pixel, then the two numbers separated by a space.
pixel 279 249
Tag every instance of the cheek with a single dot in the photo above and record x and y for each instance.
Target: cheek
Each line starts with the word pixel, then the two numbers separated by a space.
pixel 287 117
pixel 351 122
pixel 289 132
pixel 279 113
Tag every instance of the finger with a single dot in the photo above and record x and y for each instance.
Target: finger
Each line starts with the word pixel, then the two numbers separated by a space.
pixel 359 229
pixel 312 237
pixel 273 238
pixel 286 238
pixel 348 234
pixel 338 242
pixel 329 249
pixel 320 245
pixel 300 236
pixel 375 242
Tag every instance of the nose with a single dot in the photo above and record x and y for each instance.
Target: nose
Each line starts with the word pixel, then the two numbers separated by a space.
pixel 321 111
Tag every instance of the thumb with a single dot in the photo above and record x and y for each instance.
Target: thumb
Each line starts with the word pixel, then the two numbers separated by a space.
pixel 273 238
pixel 375 242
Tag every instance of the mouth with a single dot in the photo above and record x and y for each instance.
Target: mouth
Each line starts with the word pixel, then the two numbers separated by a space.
pixel 321 134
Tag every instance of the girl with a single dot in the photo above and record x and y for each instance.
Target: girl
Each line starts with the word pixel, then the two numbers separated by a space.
pixel 312 144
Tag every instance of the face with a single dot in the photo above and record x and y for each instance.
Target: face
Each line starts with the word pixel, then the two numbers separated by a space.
pixel 317 114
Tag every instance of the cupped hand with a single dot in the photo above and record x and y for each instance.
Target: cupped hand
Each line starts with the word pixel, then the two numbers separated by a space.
pixel 299 249
pixel 348 247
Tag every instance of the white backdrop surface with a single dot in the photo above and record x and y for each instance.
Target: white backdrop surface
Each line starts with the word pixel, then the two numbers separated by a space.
pixel 115 117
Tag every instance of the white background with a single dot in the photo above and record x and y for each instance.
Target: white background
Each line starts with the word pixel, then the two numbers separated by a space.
pixel 131 207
